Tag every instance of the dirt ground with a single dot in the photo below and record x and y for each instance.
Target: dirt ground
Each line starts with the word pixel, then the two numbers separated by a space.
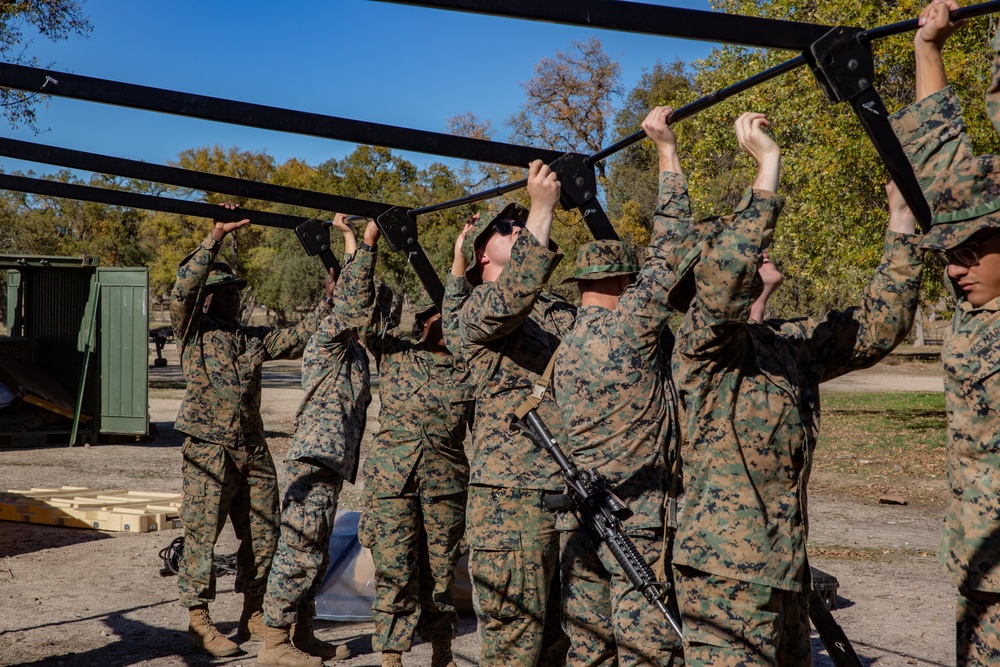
pixel 90 598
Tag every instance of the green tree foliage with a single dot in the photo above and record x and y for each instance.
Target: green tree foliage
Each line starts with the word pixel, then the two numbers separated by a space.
pixel 53 19
pixel 376 174
pixel 33 224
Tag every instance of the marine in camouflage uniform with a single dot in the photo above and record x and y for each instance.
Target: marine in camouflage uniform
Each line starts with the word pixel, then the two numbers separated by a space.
pixel 750 392
pixel 329 426
pixel 963 191
pixel 613 386
pixel 506 334
pixel 416 473
pixel 227 468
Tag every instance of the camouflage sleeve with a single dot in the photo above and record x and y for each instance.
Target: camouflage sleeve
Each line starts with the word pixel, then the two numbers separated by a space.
pixel 643 310
pixel 355 302
pixel 672 222
pixel 291 342
pixel 331 336
pixel 725 274
pixel 456 292
pixel 191 276
pixel 492 313
pixel 334 331
pixel 860 336
pixel 933 137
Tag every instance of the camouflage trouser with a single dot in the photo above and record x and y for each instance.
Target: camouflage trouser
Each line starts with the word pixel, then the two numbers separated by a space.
pixel 513 562
pixel 608 621
pixel 219 482
pixel 730 623
pixel 303 554
pixel 978 628
pixel 415 543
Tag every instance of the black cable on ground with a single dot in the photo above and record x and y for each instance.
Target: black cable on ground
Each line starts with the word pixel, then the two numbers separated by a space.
pixel 171 555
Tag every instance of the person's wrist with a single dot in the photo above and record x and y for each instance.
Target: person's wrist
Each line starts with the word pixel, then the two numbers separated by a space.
pixel 328 300
pixel 368 247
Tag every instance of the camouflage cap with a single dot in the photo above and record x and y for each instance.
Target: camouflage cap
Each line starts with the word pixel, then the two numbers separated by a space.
pixel 968 203
pixel 220 275
pixel 424 305
pixel 512 211
pixel 604 259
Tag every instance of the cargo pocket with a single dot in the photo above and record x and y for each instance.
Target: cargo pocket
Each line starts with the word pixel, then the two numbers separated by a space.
pixel 194 510
pixel 496 567
pixel 301 524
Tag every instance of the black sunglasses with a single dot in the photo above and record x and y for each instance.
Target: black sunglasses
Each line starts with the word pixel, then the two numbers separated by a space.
pixel 504 227
pixel 964 255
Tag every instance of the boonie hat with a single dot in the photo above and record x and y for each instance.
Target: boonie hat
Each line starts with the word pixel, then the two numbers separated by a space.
pixel 221 274
pixel 964 202
pixel 424 306
pixel 604 259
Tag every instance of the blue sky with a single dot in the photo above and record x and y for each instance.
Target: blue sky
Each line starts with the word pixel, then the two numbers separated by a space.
pixel 360 59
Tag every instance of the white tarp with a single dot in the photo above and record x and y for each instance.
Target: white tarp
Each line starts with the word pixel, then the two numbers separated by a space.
pixel 349 586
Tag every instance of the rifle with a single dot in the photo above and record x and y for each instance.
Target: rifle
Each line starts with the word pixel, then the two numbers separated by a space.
pixel 838 646
pixel 602 513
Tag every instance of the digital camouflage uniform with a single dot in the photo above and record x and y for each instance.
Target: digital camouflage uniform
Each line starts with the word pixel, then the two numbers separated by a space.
pixel 506 331
pixel 963 191
pixel 227 470
pixel 751 397
pixel 329 426
pixel 415 475
pixel 613 386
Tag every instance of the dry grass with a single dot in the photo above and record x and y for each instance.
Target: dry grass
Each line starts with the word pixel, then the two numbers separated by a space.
pixel 887 442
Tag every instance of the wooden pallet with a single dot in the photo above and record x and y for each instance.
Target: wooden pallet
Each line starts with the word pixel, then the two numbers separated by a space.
pixel 103 509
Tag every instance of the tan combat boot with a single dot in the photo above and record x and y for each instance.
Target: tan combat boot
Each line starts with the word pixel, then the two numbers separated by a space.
pixel 304 639
pixel 203 635
pixel 392 659
pixel 441 653
pixel 277 650
pixel 251 626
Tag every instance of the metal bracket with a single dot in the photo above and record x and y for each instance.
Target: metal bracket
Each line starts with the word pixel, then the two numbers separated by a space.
pixel 400 232
pixel 579 191
pixel 398 228
pixel 842 64
pixel 314 234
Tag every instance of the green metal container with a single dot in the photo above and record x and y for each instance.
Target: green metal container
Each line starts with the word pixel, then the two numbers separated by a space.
pixel 84 329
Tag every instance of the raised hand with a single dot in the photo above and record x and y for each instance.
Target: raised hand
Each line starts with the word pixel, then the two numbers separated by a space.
pixel 223 227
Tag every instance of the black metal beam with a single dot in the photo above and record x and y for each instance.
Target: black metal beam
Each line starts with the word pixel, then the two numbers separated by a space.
pixel 678 115
pixel 187 178
pixel 314 238
pixel 646 19
pixel 62 84
pixel 705 102
pixel 49 188
pixel 969 12
pixel 844 67
pixel 38 186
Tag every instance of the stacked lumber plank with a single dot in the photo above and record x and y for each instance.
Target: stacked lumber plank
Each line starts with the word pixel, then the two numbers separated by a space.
pixel 103 509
